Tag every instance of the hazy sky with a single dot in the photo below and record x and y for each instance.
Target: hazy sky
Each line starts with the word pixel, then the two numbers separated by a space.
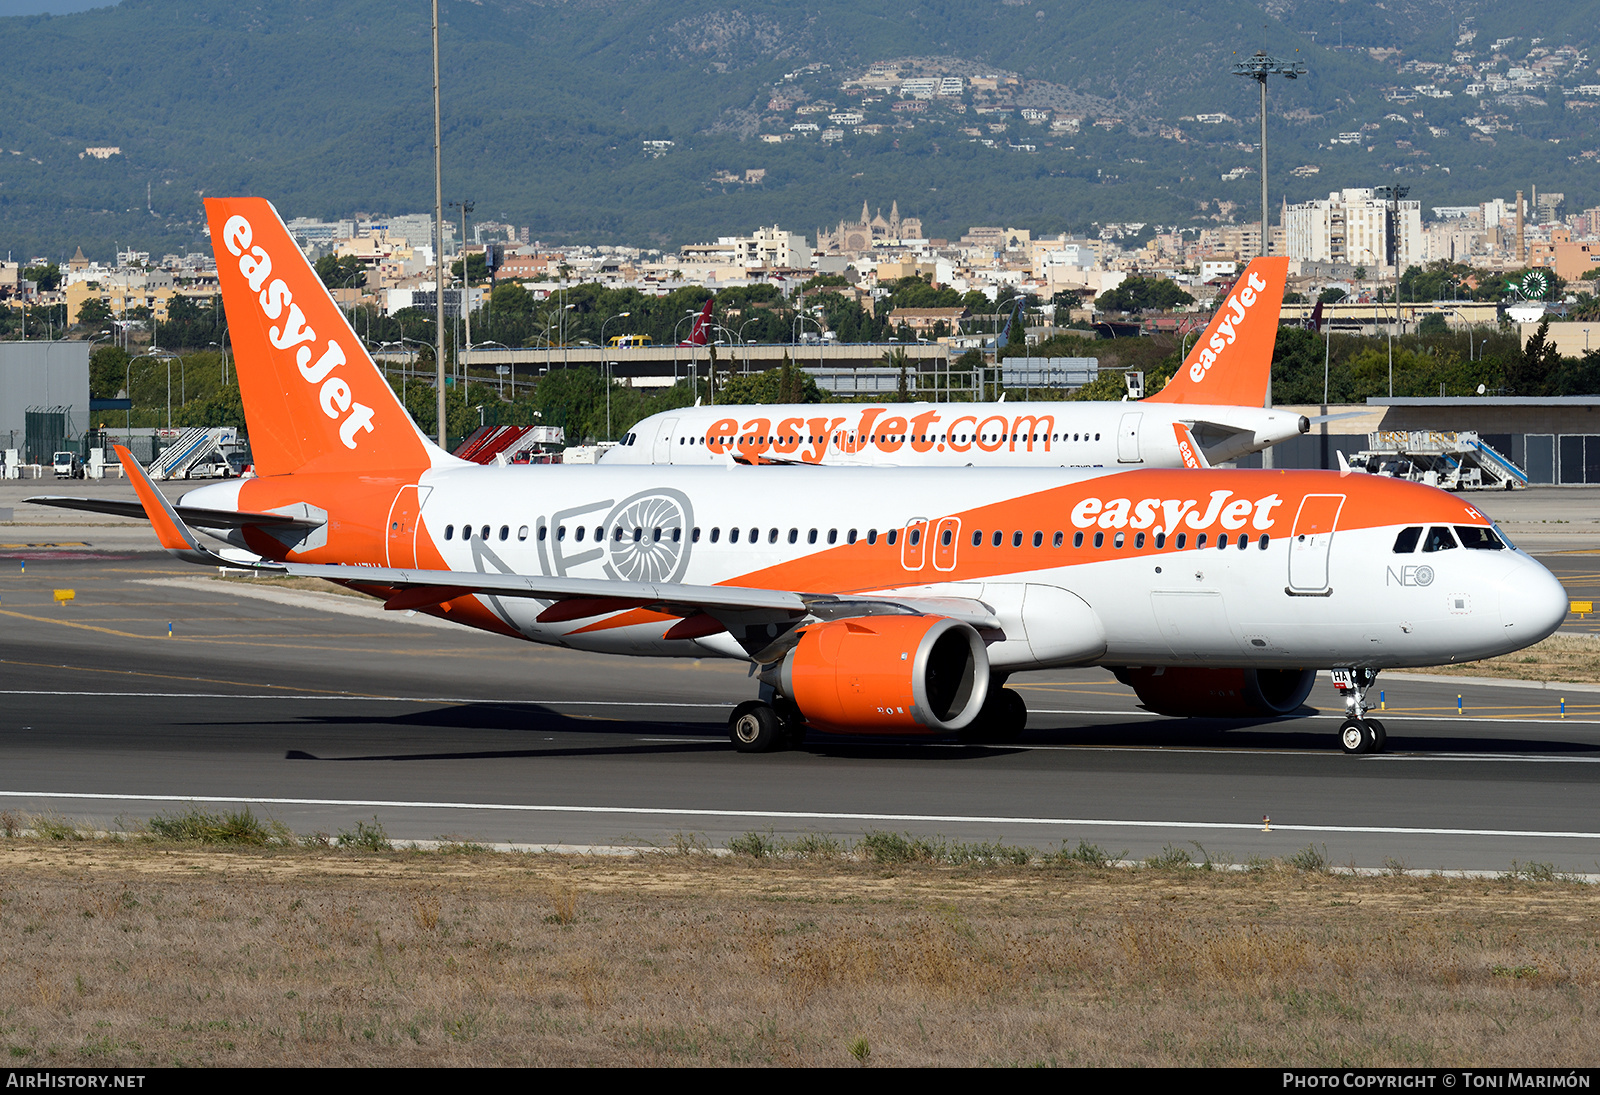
pixel 51 7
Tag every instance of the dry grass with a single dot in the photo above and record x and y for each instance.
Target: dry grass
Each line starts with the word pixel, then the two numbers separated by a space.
pixel 134 953
pixel 1561 657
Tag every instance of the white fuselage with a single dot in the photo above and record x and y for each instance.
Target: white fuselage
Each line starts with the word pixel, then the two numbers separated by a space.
pixel 1284 599
pixel 1032 434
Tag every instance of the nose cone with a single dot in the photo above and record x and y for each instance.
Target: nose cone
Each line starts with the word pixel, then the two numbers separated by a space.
pixel 1532 604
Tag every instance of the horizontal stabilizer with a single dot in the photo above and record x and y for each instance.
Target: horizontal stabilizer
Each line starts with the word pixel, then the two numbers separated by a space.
pixel 192 515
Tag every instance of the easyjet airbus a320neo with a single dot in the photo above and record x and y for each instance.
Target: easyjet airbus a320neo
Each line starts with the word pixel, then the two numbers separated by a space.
pixel 872 601
pixel 1210 412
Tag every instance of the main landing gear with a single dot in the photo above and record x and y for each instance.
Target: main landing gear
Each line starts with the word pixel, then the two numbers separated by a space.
pixel 757 726
pixel 1358 734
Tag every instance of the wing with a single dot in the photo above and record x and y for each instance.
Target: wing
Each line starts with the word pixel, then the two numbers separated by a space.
pixel 748 613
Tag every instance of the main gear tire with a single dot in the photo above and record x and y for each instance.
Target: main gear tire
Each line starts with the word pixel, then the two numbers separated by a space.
pixel 754 727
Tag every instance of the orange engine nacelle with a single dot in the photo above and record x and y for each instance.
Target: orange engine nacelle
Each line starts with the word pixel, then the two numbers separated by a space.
pixel 888 675
pixel 1219 693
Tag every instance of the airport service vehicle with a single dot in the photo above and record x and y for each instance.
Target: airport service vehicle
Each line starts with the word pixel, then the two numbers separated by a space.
pixel 869 601
pixel 1211 411
pixel 67 465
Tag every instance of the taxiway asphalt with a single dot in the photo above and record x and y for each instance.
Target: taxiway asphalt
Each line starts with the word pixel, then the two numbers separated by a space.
pixel 322 711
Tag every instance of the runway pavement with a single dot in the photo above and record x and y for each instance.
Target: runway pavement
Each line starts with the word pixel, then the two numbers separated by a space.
pixel 323 710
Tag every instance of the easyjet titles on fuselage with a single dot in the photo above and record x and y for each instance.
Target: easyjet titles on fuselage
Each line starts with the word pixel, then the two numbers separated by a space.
pixel 1173 512
pixel 809 438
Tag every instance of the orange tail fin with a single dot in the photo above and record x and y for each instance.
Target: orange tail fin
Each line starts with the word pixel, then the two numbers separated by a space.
pixel 1232 362
pixel 313 399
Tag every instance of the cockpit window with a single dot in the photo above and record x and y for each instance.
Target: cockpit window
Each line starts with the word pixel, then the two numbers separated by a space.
pixel 1439 539
pixel 1479 538
pixel 1406 542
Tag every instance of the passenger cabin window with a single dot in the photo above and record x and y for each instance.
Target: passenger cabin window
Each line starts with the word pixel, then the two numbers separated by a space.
pixel 522 533
pixel 1406 542
pixel 449 532
pixel 1439 539
pixel 1479 538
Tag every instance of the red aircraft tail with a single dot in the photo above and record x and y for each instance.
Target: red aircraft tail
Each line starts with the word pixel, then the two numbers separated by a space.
pixel 697 333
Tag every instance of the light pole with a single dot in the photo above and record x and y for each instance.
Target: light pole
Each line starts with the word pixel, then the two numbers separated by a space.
pixel 686 314
pixel 438 231
pixel 156 353
pixel 1258 67
pixel 802 319
pixel 465 206
pixel 605 348
pixel 566 359
pixel 500 370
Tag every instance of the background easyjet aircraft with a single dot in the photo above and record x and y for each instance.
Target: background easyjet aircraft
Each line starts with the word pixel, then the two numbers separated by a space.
pixel 873 601
pixel 1211 411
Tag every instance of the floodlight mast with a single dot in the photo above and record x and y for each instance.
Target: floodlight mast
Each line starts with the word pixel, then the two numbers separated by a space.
pixel 438 235
pixel 1258 67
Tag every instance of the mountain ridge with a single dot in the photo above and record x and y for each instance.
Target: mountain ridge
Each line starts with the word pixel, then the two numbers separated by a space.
pixel 327 111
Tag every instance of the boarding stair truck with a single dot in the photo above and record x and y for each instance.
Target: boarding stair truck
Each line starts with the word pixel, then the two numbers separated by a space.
pixel 511 444
pixel 1449 459
pixel 200 452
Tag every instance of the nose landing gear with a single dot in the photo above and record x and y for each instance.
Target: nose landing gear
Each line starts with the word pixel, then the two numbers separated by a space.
pixel 1358 734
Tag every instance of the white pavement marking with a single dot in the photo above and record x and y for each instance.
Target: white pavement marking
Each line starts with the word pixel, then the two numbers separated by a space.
pixel 1389 716
pixel 798 815
pixel 347 698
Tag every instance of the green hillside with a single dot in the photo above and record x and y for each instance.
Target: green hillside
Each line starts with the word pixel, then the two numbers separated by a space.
pixel 326 110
